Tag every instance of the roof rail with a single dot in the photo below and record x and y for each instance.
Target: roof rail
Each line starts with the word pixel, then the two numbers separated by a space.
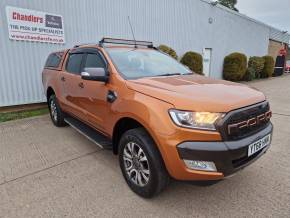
pixel 79 45
pixel 126 42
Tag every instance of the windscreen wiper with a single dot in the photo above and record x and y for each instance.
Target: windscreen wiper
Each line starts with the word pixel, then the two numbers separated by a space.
pixel 170 74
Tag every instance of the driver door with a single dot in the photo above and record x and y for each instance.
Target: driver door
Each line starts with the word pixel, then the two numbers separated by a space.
pixel 93 100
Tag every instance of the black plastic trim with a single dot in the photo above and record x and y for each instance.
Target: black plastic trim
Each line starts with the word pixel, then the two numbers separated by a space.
pixel 229 156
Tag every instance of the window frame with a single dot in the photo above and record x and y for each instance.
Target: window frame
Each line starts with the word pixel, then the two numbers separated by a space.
pixel 94 53
pixel 81 65
pixel 85 52
pixel 59 63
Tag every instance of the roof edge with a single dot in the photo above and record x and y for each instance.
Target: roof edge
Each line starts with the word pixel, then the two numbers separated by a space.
pixel 219 6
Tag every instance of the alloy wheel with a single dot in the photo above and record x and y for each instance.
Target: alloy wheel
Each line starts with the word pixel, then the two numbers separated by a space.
pixel 53 110
pixel 136 164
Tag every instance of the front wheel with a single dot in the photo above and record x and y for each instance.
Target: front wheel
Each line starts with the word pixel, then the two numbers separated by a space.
pixel 141 163
pixel 56 114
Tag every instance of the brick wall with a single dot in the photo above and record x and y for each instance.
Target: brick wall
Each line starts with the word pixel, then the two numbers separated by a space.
pixel 274 48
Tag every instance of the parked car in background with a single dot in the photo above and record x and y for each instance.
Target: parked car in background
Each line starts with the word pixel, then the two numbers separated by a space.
pixel 288 66
pixel 163 120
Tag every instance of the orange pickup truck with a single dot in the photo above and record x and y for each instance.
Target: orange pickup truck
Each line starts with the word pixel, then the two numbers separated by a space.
pixel 163 120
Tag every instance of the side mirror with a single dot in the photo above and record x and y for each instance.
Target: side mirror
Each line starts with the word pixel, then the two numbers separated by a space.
pixel 95 74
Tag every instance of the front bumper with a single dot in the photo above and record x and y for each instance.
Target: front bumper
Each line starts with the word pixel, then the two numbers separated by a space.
pixel 229 157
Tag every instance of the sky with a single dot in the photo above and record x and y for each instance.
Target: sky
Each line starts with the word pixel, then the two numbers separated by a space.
pixel 273 12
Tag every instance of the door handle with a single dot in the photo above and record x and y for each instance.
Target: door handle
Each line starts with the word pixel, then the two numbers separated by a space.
pixel 62 79
pixel 81 85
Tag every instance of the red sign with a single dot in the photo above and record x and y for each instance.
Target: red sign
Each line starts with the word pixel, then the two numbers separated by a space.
pixel 283 52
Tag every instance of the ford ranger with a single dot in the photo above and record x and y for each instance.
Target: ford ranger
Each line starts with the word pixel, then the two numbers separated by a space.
pixel 162 120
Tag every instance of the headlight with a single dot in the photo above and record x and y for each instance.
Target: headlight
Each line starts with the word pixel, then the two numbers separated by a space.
pixel 195 120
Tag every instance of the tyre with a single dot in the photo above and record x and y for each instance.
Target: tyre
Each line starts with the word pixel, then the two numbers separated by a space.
pixel 141 163
pixel 56 114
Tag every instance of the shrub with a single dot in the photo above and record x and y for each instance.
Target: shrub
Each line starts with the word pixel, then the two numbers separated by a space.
pixel 257 63
pixel 268 67
pixel 193 60
pixel 250 74
pixel 235 67
pixel 168 51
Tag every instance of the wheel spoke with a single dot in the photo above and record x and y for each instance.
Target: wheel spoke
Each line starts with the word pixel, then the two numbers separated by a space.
pixel 127 154
pixel 133 175
pixel 139 179
pixel 128 159
pixel 128 168
pixel 146 178
pixel 145 171
pixel 144 158
pixel 130 147
pixel 140 152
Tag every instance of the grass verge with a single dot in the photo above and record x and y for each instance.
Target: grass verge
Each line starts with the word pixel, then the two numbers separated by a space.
pixel 22 114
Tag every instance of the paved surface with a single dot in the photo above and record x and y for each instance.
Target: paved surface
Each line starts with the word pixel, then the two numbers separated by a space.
pixel 50 172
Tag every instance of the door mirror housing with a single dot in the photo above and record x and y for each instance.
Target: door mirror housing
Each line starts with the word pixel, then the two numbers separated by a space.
pixel 95 74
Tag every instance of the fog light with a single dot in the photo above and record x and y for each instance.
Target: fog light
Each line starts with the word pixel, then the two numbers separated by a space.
pixel 200 165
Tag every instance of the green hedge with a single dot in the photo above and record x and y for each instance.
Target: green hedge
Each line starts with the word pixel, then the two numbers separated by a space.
pixel 194 61
pixel 269 65
pixel 235 67
pixel 257 63
pixel 166 49
pixel 250 74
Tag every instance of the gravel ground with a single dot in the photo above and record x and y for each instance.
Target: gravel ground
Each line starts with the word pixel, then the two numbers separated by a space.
pixel 50 172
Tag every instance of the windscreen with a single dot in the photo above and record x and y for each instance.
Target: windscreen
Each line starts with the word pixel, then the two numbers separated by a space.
pixel 137 63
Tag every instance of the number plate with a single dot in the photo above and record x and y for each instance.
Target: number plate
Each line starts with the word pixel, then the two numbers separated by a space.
pixel 259 145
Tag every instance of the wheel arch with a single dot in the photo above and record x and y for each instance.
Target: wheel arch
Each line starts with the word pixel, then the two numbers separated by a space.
pixel 49 92
pixel 124 124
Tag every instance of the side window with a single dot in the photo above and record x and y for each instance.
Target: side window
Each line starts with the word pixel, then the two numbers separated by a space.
pixel 54 60
pixel 74 63
pixel 94 61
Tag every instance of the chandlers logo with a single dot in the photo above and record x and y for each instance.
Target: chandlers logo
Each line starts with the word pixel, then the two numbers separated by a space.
pixel 25 17
pixel 53 21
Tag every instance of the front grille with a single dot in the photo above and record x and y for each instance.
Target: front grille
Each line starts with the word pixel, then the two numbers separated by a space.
pixel 242 115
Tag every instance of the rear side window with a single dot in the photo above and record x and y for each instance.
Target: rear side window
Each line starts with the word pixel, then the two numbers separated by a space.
pixel 54 60
pixel 74 63
pixel 94 61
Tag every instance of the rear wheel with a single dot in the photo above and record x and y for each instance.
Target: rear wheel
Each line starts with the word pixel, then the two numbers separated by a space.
pixel 141 163
pixel 56 114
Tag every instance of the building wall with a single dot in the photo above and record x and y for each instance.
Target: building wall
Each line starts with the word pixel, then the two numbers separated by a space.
pixel 184 25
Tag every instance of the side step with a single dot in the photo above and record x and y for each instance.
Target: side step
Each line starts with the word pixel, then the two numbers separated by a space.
pixel 91 134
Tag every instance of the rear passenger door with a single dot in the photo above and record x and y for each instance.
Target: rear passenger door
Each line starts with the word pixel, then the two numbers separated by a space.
pixel 72 84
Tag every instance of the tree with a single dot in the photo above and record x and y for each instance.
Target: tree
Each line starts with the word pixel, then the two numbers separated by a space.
pixel 229 3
